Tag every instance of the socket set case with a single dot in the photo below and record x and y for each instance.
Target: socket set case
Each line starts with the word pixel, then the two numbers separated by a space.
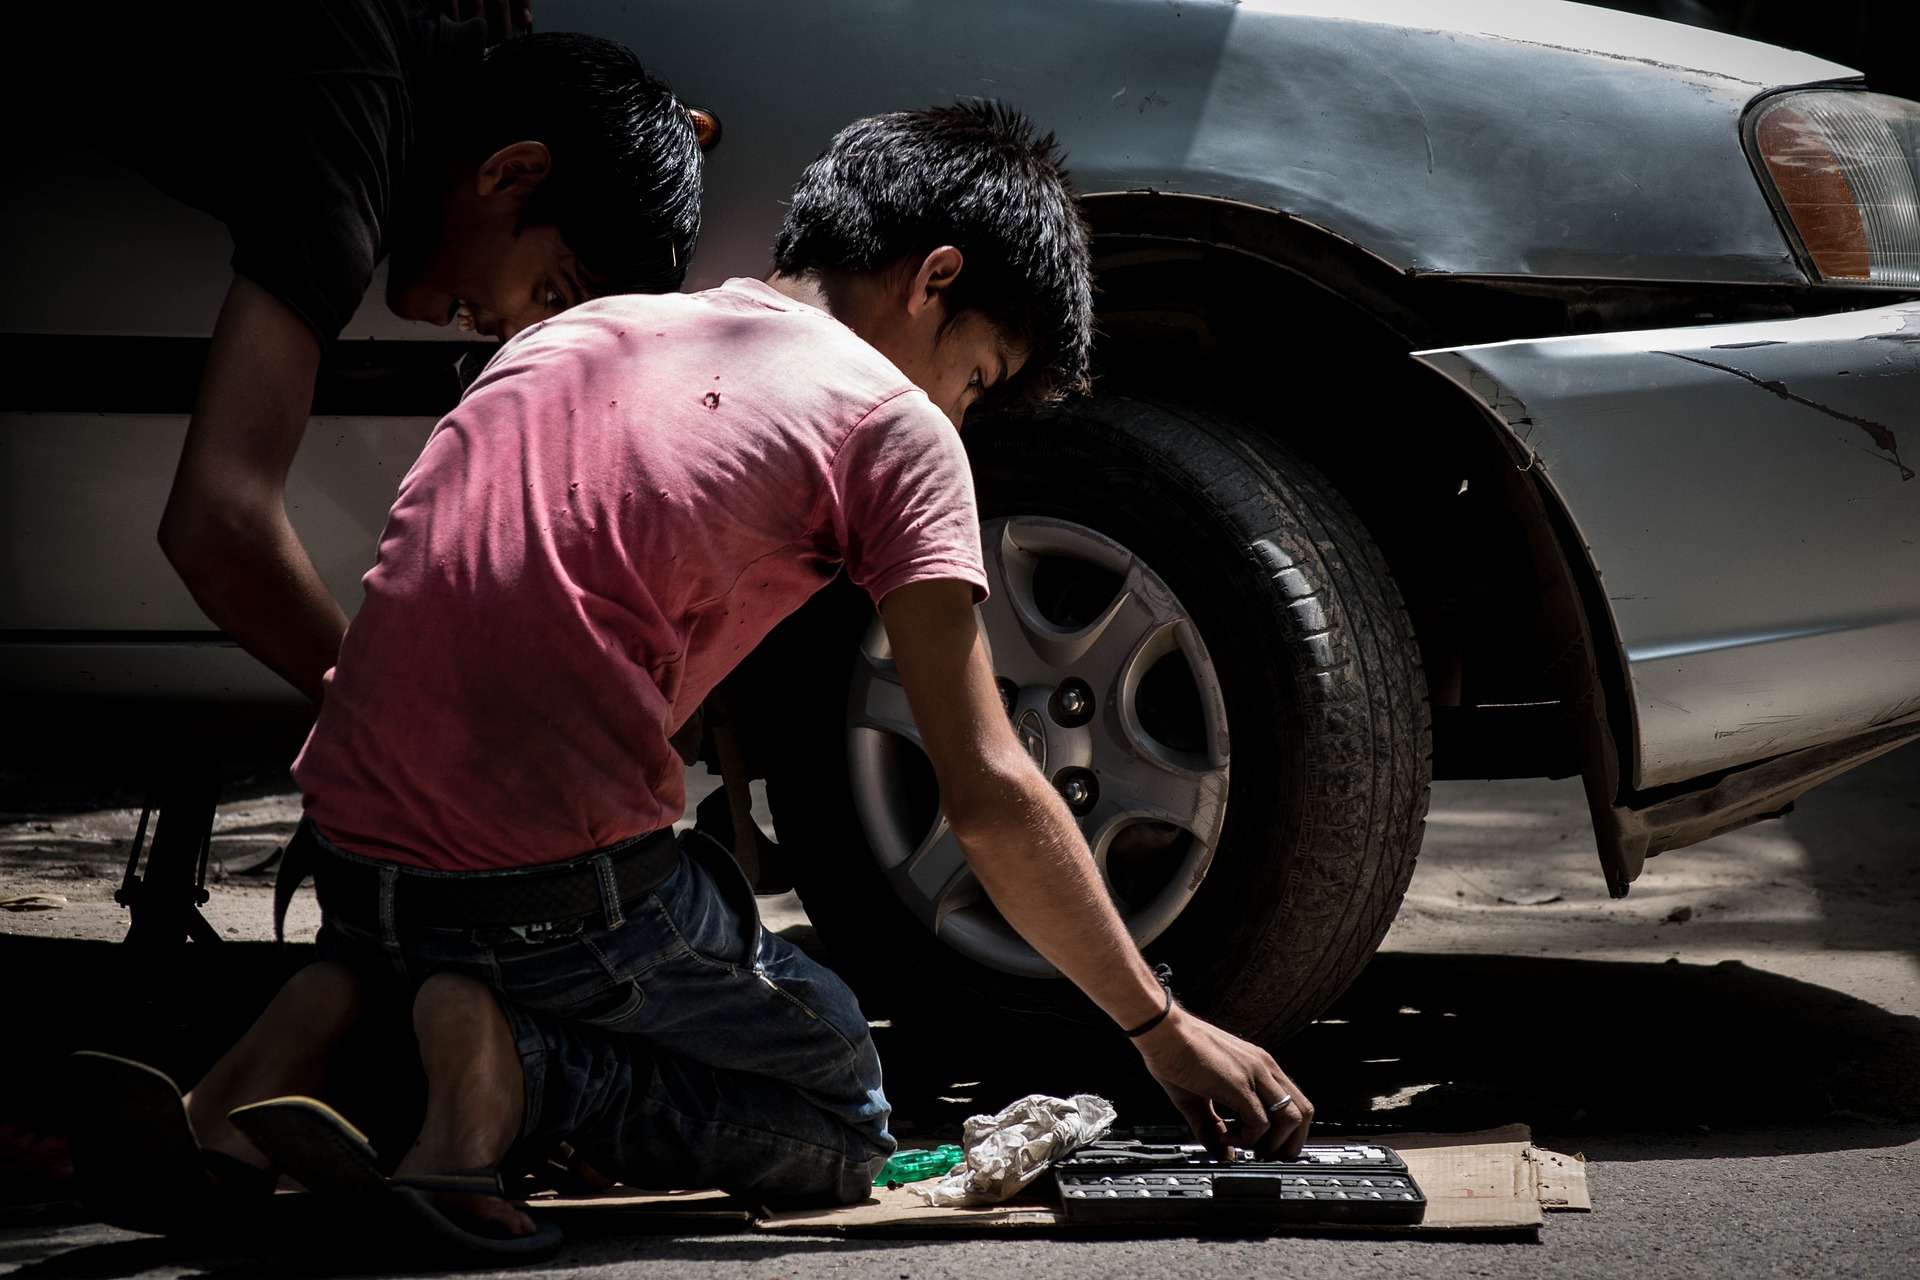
pixel 1120 1182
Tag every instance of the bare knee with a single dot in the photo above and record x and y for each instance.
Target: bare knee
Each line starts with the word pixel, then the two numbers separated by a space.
pixel 327 990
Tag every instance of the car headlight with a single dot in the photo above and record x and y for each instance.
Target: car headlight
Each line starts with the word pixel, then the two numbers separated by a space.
pixel 1843 168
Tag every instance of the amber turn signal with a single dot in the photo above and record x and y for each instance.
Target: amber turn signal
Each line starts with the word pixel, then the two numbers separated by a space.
pixel 1844 167
pixel 1815 193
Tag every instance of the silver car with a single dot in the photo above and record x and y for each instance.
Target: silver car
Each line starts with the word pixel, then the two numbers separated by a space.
pixel 1485 389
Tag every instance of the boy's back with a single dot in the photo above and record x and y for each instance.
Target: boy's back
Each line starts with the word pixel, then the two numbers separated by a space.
pixel 626 502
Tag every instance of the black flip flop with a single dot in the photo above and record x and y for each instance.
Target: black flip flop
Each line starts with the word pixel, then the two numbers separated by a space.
pixel 136 1159
pixel 319 1148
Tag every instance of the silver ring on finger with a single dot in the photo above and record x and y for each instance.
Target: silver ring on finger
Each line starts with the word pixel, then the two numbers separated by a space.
pixel 1275 1108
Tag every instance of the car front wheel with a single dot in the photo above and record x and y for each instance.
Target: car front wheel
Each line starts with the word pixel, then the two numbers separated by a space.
pixel 1201 649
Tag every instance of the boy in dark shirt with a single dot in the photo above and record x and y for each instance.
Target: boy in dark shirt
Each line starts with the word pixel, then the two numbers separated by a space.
pixel 502 185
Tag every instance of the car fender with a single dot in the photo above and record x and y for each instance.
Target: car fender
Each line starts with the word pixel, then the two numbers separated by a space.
pixel 1745 498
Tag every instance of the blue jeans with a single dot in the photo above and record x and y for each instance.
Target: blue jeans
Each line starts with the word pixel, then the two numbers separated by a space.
pixel 672 1041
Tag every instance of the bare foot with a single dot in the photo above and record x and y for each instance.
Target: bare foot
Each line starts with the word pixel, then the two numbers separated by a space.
pixel 475 1098
pixel 483 1215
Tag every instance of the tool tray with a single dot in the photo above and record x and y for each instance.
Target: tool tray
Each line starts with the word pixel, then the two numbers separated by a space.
pixel 1123 1182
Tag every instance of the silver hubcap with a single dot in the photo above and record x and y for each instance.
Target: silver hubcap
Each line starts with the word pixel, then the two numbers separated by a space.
pixel 1110 690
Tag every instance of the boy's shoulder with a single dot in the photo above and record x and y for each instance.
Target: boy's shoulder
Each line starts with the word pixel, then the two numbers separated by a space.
pixel 746 327
pixel 744 340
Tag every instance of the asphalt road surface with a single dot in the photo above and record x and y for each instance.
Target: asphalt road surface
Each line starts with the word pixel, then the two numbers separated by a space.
pixel 1735 1049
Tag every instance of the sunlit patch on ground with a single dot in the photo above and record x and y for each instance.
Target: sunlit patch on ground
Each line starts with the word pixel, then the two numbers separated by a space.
pixel 1827 893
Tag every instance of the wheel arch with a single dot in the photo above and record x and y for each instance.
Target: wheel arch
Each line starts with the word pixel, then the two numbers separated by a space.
pixel 1211 299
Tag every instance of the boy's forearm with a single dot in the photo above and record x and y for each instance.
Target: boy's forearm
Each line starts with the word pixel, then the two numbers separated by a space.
pixel 1038 871
pixel 1019 838
pixel 252 578
pixel 1027 852
pixel 225 529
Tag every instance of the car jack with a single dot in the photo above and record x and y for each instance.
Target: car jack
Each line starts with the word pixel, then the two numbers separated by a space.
pixel 165 903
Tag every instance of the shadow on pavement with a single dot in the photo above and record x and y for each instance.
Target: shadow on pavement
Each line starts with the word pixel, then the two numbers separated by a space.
pixel 1861 833
pixel 1574 1048
pixel 1577 1049
pixel 1640 1061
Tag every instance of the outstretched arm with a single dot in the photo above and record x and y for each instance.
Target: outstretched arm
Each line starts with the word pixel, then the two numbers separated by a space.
pixel 1021 842
pixel 225 529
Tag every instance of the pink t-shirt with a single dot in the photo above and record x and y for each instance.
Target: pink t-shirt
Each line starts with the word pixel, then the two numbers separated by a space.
pixel 623 505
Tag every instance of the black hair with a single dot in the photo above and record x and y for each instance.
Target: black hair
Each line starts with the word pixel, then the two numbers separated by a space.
pixel 972 175
pixel 624 189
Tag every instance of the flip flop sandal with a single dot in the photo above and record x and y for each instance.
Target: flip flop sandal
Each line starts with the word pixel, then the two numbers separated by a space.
pixel 318 1147
pixel 135 1157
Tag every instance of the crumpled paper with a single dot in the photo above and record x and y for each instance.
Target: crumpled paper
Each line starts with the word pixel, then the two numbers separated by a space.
pixel 1007 1151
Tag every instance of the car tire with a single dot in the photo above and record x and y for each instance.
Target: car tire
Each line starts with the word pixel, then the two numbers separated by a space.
pixel 1296 673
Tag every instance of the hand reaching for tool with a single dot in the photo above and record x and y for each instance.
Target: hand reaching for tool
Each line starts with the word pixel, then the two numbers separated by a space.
pixel 1022 844
pixel 1204 1070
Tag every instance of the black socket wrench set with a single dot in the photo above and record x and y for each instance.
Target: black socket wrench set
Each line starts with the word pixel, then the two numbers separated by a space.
pixel 1122 1182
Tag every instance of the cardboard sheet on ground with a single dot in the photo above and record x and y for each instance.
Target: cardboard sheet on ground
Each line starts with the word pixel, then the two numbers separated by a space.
pixel 1494 1180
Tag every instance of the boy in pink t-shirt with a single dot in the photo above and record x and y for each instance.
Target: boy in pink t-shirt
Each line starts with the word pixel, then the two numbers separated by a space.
pixel 623 505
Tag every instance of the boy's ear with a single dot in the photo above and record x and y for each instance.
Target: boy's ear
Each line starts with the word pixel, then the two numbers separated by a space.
pixel 933 278
pixel 515 169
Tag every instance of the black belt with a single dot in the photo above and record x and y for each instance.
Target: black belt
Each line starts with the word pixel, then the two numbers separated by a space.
pixel 487 899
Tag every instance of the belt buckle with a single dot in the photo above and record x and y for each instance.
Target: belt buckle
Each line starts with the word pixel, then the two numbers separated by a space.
pixel 545 931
